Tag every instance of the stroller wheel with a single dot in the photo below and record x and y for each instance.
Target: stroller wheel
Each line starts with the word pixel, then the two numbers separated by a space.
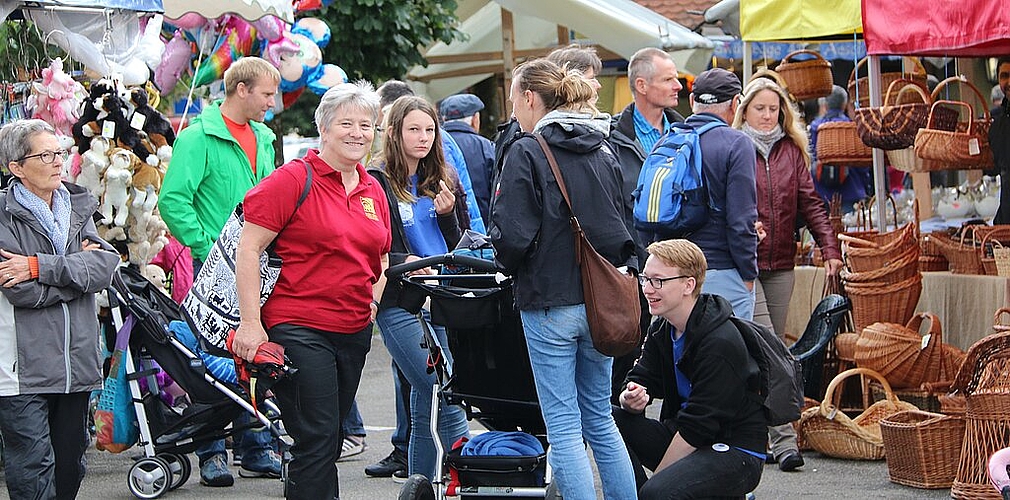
pixel 552 492
pixel 150 477
pixel 179 466
pixel 417 487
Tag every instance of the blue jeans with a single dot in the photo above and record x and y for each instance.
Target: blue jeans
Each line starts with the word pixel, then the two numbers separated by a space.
pixel 403 335
pixel 353 424
pixel 249 444
pixel 576 404
pixel 728 284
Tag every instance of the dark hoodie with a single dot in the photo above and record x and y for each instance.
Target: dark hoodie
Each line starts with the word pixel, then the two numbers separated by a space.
pixel 531 231
pixel 723 406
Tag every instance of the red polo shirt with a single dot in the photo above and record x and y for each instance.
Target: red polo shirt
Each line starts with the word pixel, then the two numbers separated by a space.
pixel 331 247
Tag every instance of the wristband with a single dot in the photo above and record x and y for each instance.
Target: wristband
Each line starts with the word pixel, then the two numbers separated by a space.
pixel 33 266
pixel 375 303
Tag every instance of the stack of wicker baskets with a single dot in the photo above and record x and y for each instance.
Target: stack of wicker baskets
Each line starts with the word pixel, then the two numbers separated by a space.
pixel 970 250
pixel 883 281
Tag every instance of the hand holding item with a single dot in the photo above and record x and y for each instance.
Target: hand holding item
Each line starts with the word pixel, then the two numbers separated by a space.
pixel 759 227
pixel 634 398
pixel 444 200
pixel 832 267
pixel 247 339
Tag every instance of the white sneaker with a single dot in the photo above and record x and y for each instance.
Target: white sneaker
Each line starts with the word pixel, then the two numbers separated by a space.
pixel 352 445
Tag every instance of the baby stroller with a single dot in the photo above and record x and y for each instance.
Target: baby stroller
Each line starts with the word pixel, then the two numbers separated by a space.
pixel 490 378
pixel 168 433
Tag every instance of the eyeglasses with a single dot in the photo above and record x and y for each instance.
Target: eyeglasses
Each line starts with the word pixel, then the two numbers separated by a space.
pixel 657 283
pixel 47 156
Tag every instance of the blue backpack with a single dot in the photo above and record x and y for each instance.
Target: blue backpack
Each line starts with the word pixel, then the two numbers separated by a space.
pixel 671 200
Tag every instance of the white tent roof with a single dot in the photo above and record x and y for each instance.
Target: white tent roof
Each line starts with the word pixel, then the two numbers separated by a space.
pixel 621 26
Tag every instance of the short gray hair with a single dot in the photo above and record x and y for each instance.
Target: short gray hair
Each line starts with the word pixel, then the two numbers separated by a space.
pixel 719 108
pixel 15 139
pixel 640 65
pixel 359 94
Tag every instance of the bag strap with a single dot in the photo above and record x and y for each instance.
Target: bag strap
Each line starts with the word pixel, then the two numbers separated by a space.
pixel 580 237
pixel 308 185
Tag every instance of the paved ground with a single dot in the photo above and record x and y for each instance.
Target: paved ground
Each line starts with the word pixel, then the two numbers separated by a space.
pixel 822 478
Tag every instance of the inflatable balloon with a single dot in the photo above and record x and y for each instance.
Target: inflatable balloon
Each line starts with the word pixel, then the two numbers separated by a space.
pixel 270 28
pixel 176 59
pixel 295 67
pixel 189 21
pixel 330 75
pixel 151 48
pixel 276 49
pixel 237 43
pixel 314 28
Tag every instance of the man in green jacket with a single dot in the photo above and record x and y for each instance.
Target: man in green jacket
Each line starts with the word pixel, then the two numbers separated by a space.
pixel 222 154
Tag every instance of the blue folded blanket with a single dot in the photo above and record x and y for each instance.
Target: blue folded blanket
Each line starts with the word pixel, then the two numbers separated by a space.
pixel 503 444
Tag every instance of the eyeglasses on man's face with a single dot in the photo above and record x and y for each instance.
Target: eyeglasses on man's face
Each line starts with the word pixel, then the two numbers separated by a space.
pixel 657 283
pixel 47 156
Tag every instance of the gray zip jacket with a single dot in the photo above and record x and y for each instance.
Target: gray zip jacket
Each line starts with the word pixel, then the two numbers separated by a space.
pixel 49 326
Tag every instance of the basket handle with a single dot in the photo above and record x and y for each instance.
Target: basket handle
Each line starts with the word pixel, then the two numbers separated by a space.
pixel 905 86
pixel 814 53
pixel 996 317
pixel 990 237
pixel 964 81
pixel 918 68
pixel 869 210
pixel 935 328
pixel 971 114
pixel 829 405
pixel 859 241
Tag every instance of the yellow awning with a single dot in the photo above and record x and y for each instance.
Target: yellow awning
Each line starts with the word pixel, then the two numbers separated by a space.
pixel 770 20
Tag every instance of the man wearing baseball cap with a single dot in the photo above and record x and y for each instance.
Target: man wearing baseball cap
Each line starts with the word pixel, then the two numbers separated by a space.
pixel 729 240
pixel 461 119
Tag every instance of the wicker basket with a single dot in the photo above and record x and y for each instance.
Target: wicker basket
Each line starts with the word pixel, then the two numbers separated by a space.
pixel 1001 257
pixel 902 267
pixel 967 147
pixel 832 433
pixel 900 354
pixel 907 160
pixel 801 444
pixel 859 88
pixel 983 381
pixel 894 303
pixel 808 78
pixel 864 256
pixel 845 345
pixel 923 449
pixel 933 263
pixel 921 398
pixel 962 256
pixel 838 143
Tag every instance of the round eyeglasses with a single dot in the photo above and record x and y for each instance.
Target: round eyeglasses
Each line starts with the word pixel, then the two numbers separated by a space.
pixel 47 156
pixel 657 283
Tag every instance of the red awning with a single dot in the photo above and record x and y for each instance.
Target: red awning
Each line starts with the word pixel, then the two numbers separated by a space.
pixel 953 28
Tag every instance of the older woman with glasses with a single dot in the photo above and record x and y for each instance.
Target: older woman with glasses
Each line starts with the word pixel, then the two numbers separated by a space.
pixel 52 263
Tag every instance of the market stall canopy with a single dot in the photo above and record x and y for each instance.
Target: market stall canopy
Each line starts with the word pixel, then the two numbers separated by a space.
pixel 954 28
pixel 134 5
pixel 620 26
pixel 249 10
pixel 773 20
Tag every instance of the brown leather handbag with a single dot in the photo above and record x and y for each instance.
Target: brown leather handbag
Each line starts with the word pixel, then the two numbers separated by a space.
pixel 611 296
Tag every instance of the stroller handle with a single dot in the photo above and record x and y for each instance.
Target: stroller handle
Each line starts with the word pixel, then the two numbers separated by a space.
pixel 474 263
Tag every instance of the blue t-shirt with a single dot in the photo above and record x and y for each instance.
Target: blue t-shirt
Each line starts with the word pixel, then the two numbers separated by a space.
pixel 420 224
pixel 683 384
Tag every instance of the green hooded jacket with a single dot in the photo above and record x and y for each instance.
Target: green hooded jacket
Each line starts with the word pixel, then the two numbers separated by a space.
pixel 209 174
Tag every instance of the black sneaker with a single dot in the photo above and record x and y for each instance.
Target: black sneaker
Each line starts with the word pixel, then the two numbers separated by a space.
pixel 396 461
pixel 400 476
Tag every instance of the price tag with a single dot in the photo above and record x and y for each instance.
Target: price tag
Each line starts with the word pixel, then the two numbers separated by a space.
pixel 973 148
pixel 925 341
pixel 109 129
pixel 137 122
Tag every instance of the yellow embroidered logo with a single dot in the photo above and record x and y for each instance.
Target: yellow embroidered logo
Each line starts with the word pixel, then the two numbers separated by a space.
pixel 368 205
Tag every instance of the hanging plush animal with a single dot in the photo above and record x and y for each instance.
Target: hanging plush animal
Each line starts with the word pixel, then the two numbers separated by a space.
pixel 158 128
pixel 57 98
pixel 118 179
pixel 105 114
pixel 93 165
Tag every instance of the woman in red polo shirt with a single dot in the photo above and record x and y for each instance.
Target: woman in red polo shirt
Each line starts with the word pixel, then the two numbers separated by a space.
pixel 417 184
pixel 334 247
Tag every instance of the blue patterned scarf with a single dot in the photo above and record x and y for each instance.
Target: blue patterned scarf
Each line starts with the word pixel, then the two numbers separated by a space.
pixel 55 221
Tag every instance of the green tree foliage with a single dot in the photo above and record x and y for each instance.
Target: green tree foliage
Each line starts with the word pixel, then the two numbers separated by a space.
pixel 374 40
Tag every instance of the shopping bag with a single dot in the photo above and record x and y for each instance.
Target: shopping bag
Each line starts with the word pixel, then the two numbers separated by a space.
pixel 115 418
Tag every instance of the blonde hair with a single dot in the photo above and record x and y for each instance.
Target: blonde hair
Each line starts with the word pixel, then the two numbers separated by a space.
pixel 684 255
pixel 557 88
pixel 789 116
pixel 248 70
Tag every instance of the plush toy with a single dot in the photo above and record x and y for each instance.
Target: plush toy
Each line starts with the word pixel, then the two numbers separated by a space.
pixel 93 164
pixel 56 99
pixel 118 179
pixel 106 114
pixel 156 275
pixel 156 125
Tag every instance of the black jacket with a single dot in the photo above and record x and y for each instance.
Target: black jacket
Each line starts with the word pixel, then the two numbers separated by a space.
pixel 530 221
pixel 449 224
pixel 724 406
pixel 999 141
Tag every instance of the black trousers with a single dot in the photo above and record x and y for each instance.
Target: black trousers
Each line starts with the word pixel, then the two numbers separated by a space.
pixel 315 401
pixel 45 436
pixel 705 473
